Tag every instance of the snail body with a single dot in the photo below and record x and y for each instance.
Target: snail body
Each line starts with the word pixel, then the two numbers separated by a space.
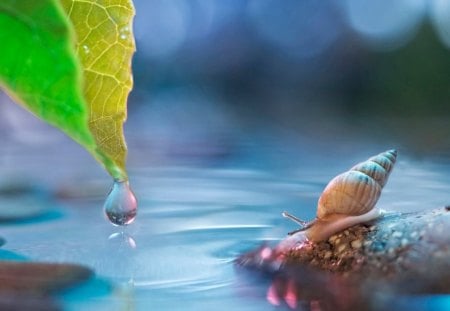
pixel 350 197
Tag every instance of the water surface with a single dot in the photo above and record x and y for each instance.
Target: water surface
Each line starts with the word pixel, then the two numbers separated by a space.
pixel 193 221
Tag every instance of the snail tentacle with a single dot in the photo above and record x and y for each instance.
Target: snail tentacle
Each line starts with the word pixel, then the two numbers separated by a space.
pixel 295 219
pixel 304 225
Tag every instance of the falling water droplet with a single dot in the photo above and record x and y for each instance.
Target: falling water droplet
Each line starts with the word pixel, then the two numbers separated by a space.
pixel 121 205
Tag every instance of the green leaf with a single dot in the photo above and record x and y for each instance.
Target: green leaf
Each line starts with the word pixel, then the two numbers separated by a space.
pixel 105 45
pixel 38 67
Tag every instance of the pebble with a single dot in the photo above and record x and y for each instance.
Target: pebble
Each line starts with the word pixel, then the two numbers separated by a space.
pixel 356 244
pixel 341 248
pixel 414 234
pixel 404 242
pixel 397 234
pixel 367 243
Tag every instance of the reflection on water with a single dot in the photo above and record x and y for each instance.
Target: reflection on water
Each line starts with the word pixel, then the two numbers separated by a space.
pixel 195 221
pixel 122 240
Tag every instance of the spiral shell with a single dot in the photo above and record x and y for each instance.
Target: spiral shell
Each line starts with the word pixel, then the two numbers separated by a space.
pixel 347 200
pixel 356 191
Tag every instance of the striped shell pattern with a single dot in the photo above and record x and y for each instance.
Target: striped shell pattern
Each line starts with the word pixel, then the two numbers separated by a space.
pixel 356 191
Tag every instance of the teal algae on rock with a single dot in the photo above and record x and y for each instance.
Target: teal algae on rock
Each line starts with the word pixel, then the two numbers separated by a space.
pixel 371 264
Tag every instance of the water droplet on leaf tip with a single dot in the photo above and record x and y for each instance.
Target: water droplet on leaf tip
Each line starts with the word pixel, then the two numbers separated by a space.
pixel 121 205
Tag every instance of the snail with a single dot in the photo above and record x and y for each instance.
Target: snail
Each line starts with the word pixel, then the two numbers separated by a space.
pixel 349 198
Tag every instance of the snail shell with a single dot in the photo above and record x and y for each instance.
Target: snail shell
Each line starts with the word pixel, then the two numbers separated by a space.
pixel 356 191
pixel 350 197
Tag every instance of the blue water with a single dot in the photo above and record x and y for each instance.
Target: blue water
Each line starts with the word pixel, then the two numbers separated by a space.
pixel 195 217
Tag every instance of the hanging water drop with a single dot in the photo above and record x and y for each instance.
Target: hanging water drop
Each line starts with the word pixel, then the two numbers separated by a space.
pixel 121 204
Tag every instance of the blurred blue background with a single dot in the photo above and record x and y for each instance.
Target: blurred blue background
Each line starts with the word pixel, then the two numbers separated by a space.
pixel 378 70
pixel 210 73
pixel 218 80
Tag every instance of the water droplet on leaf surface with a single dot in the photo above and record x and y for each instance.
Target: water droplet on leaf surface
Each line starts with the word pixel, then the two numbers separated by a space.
pixel 121 204
pixel 86 49
pixel 124 33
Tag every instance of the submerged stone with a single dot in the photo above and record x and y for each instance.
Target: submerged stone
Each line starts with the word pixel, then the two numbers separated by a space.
pixel 22 201
pixel 28 302
pixel 39 279
pixel 371 265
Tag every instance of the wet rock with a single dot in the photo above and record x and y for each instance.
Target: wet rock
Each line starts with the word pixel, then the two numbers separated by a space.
pixel 18 302
pixel 30 286
pixel 22 201
pixel 391 246
pixel 39 279
pixel 366 267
